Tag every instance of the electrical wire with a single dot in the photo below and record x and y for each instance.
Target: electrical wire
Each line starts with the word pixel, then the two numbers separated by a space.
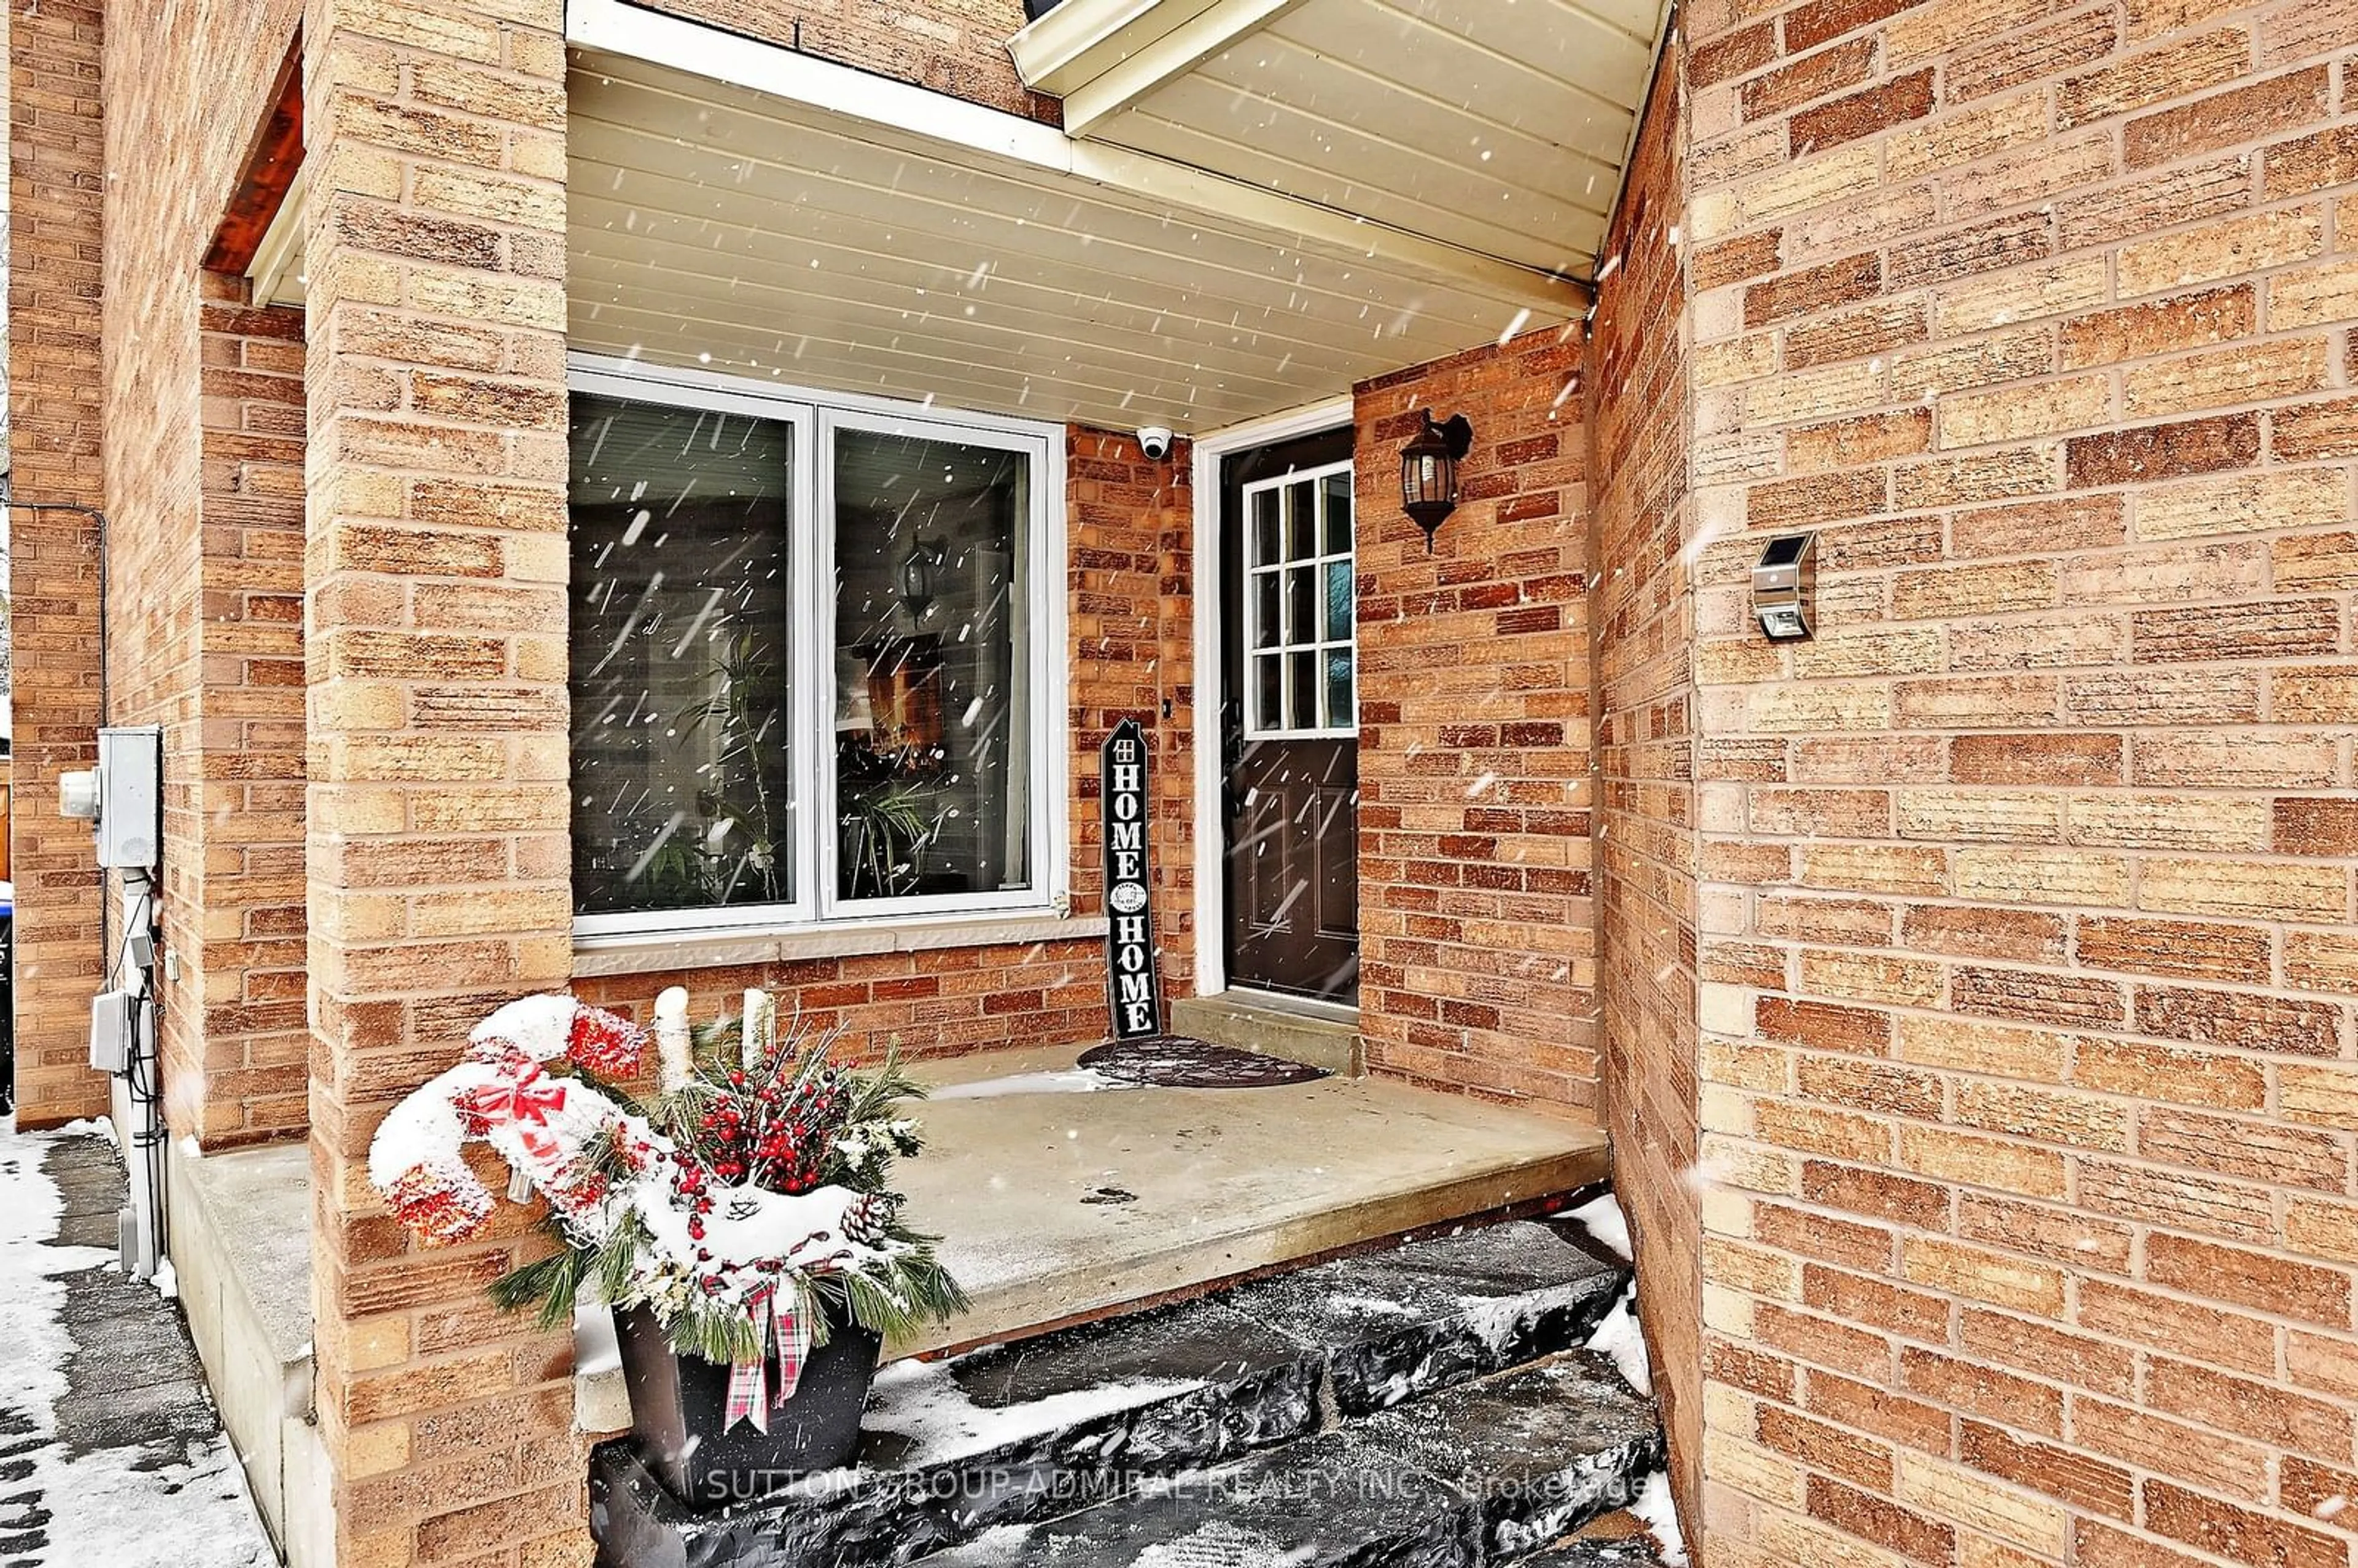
pixel 143 1080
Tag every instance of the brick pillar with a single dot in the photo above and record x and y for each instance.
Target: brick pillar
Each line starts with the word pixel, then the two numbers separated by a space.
pixel 436 844
pixel 54 157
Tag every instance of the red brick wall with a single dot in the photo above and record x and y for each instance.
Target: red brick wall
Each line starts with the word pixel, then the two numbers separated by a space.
pixel 204 419
pixel 1129 604
pixel 957 47
pixel 1642 610
pixel 2027 956
pixel 1477 967
pixel 1131 538
pixel 55 161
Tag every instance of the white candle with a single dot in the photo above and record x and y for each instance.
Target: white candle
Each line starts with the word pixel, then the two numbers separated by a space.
pixel 755 1048
pixel 674 1051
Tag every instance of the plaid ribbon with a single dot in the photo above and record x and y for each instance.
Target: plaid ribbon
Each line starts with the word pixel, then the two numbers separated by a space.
pixel 786 1340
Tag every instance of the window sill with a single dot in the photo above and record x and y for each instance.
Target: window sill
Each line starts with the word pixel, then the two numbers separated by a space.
pixel 652 952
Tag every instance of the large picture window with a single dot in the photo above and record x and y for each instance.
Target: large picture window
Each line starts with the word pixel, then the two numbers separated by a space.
pixel 811 672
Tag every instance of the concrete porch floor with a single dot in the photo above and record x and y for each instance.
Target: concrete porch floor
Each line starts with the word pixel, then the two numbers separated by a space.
pixel 1058 1206
pixel 1053 1206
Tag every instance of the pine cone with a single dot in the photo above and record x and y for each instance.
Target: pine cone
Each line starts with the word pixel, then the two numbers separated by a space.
pixel 868 1218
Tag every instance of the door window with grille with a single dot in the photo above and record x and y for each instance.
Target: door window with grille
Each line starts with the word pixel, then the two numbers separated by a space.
pixel 1302 675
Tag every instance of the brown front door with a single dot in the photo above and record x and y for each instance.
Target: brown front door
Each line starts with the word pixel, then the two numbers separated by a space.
pixel 1289 719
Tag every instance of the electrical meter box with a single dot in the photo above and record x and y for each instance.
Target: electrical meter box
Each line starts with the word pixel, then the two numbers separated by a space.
pixel 131 797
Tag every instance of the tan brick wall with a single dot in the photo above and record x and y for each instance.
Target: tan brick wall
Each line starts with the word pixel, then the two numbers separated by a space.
pixel 242 978
pixel 1642 610
pixel 56 159
pixel 203 415
pixel 957 47
pixel 2027 956
pixel 437 855
pixel 1130 601
pixel 1477 967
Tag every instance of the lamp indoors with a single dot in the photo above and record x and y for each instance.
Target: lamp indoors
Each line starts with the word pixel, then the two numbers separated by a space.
pixel 1428 472
pixel 917 569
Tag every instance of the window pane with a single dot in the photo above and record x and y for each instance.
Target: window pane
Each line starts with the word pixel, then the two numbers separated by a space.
pixel 1340 714
pixel 1268 699
pixel 1301 605
pixel 1267 623
pixel 932 627
pixel 1338 513
pixel 1265 550
pixel 679 604
pixel 1301 691
pixel 1301 522
pixel 1338 601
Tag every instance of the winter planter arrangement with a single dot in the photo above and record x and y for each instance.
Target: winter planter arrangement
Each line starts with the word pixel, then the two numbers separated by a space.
pixel 741 1223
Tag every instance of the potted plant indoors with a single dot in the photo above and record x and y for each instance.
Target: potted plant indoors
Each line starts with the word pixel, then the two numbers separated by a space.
pixel 741 1224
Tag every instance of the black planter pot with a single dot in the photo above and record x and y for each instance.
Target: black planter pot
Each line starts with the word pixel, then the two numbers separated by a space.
pixel 678 1404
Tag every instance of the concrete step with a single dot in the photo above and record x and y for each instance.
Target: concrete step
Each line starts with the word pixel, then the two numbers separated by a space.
pixel 240 1245
pixel 1322 1035
pixel 1476 1474
pixel 1019 1432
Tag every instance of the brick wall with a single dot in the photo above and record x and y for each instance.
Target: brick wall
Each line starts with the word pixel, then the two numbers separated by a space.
pixel 55 162
pixel 957 47
pixel 1131 531
pixel 1477 967
pixel 1642 610
pixel 438 854
pixel 203 414
pixel 2027 961
pixel 241 976
pixel 1129 603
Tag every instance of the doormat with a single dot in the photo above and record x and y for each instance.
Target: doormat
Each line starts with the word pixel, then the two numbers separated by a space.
pixel 1177 1062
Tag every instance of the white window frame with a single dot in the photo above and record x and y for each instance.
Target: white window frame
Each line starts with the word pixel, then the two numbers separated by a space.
pixel 1316 562
pixel 815 416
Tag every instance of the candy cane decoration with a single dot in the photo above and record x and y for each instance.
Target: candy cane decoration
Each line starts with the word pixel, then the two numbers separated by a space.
pixel 734 1246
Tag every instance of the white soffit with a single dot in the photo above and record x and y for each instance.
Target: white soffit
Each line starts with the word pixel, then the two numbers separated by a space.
pixel 276 270
pixel 744 207
pixel 1500 126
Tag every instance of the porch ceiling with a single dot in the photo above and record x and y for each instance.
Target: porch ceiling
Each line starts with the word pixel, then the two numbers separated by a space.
pixel 1500 127
pixel 743 207
pixel 717 224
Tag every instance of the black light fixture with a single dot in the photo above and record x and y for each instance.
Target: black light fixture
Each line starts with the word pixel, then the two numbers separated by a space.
pixel 917 569
pixel 1428 472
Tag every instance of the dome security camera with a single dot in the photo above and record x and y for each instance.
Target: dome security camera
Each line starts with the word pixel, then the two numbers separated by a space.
pixel 1155 442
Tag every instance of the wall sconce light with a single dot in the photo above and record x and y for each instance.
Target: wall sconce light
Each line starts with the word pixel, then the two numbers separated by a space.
pixel 917 568
pixel 1428 472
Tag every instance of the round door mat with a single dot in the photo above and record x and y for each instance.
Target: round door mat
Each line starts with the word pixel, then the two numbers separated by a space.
pixel 1176 1062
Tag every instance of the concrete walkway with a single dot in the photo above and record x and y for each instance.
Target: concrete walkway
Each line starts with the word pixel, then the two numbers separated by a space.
pixel 111 1453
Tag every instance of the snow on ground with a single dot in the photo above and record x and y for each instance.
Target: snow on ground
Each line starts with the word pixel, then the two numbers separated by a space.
pixel 167 1503
pixel 922 1401
pixel 1661 1516
pixel 1620 1338
pixel 1602 1218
